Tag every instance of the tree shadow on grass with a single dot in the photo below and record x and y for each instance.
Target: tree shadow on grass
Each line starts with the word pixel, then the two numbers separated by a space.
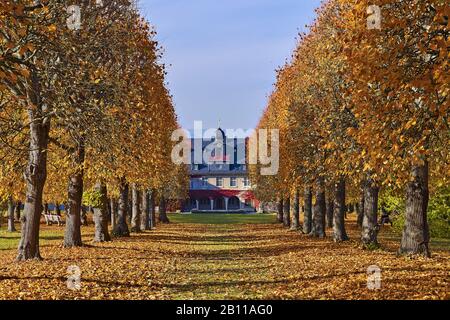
pixel 236 270
pixel 222 238
pixel 187 287
pixel 248 253
pixel 64 279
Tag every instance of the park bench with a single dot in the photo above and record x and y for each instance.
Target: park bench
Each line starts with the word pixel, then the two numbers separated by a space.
pixel 52 218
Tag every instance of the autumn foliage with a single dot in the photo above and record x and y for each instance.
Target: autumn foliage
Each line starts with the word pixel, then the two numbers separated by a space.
pixel 363 109
pixel 83 109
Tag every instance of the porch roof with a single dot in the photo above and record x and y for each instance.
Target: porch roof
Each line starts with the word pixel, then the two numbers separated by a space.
pixel 214 194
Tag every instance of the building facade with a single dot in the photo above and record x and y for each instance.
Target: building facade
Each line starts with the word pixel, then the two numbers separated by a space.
pixel 218 176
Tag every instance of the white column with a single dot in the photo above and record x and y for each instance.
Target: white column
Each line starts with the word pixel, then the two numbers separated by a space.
pixel 241 204
pixel 226 203
pixel 212 204
pixel 197 203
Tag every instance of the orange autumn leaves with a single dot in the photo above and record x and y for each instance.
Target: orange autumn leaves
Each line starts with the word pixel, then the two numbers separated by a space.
pixel 218 261
pixel 108 88
pixel 355 100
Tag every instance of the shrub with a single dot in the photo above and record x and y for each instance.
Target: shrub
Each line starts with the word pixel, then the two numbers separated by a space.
pixel 92 198
pixel 438 212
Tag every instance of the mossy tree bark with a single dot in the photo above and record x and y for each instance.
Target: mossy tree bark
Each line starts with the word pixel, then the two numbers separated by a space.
pixel 307 223
pixel 72 235
pixel 330 212
pixel 135 209
pixel 287 212
pixel 280 207
pixel 153 209
pixel 319 210
pixel 35 173
pixel 370 218
pixel 145 211
pixel 101 215
pixel 163 218
pixel 361 207
pixel 17 208
pixel 113 206
pixel 11 207
pixel 121 229
pixel 339 233
pixel 416 235
pixel 296 211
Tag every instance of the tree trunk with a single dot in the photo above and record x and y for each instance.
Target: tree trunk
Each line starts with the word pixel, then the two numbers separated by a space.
pixel 330 212
pixel 307 222
pixel 163 211
pixel 296 214
pixel 145 210
pixel 135 209
pixel 35 173
pixel 339 233
pixel 17 211
pixel 121 229
pixel 58 209
pixel 280 211
pixel 287 212
pixel 351 208
pixel 113 207
pixel 72 235
pixel 101 215
pixel 370 223
pixel 11 207
pixel 416 235
pixel 84 215
pixel 361 208
pixel 319 212
pixel 152 209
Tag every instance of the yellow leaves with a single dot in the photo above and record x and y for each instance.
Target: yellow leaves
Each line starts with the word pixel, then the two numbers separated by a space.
pixel 30 47
pixel 52 28
pixel 351 131
pixel 18 9
pixel 22 32
pixel 410 124
pixel 221 261
pixel 25 72
pixel 367 167
pixel 13 77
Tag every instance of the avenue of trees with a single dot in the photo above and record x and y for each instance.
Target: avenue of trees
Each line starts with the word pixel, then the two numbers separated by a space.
pixel 362 111
pixel 85 118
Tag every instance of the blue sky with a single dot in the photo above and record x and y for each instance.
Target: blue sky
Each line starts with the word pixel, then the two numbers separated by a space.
pixel 222 54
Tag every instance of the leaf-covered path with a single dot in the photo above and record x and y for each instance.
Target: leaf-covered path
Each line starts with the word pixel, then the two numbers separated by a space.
pixel 225 261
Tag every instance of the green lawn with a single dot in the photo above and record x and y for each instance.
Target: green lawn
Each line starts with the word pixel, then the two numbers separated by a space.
pixel 55 235
pixel 219 218
pixel 10 240
pixel 48 235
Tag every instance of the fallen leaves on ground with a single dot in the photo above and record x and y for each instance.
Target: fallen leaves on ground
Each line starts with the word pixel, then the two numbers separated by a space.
pixel 197 261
